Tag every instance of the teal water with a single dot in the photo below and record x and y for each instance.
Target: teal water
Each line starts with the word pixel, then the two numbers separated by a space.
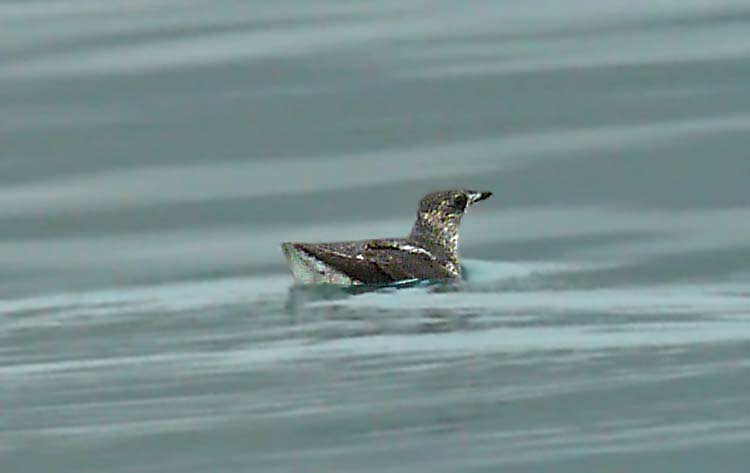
pixel 154 154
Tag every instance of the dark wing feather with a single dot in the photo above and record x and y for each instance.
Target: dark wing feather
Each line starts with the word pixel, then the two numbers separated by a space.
pixel 377 261
pixel 401 265
pixel 343 257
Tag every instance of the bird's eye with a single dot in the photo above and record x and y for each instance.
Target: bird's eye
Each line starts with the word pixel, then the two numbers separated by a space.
pixel 460 201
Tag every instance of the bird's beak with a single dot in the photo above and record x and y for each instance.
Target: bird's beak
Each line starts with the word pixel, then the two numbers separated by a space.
pixel 475 196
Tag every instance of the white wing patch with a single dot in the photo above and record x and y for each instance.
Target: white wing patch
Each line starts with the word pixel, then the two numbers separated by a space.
pixel 401 246
pixel 415 250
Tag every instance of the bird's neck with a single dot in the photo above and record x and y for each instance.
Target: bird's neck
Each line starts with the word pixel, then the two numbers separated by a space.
pixel 437 234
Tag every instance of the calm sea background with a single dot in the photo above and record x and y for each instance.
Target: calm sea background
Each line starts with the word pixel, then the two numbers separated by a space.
pixel 153 154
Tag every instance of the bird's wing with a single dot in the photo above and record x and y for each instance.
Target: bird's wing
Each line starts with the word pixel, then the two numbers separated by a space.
pixel 348 259
pixel 403 261
pixel 378 261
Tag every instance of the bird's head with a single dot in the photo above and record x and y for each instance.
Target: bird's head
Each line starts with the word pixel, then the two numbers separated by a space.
pixel 439 216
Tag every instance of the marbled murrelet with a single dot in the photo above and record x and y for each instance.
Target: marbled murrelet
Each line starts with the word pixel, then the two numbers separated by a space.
pixel 429 252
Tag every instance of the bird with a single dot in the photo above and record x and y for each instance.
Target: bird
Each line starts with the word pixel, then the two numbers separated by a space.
pixel 430 252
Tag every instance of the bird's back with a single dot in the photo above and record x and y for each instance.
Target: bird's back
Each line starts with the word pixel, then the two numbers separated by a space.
pixel 380 261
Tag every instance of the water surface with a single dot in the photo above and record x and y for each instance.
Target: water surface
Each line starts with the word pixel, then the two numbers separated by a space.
pixel 155 153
